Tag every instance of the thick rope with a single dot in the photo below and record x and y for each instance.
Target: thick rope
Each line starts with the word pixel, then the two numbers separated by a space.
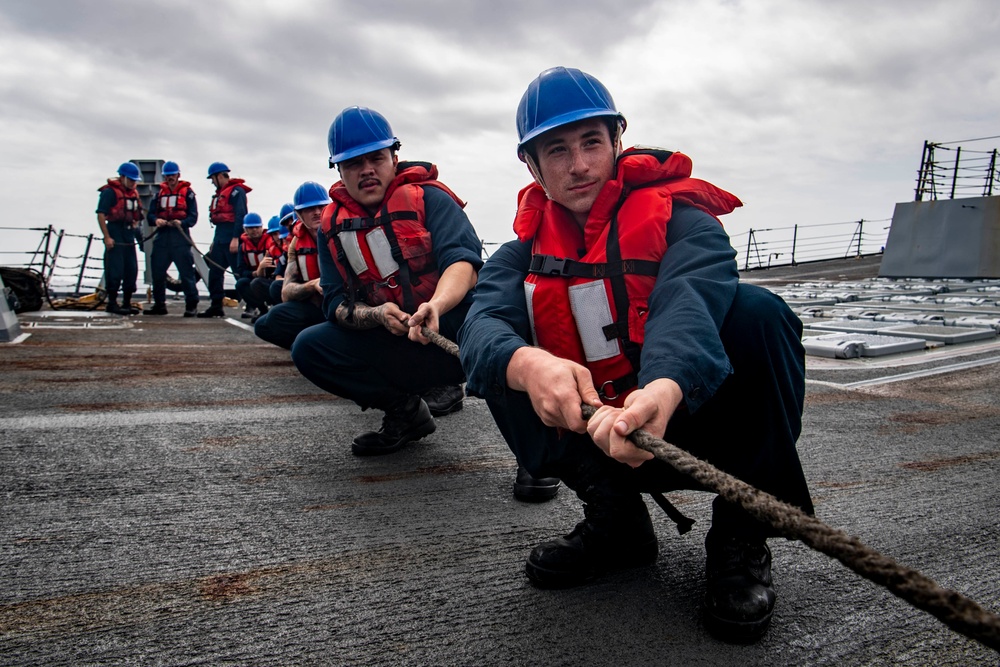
pixel 958 612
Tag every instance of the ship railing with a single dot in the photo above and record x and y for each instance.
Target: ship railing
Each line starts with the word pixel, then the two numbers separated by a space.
pixel 951 171
pixel 801 244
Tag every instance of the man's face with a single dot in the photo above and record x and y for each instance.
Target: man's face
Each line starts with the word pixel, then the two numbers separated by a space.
pixel 312 217
pixel 254 232
pixel 172 180
pixel 575 162
pixel 217 180
pixel 367 176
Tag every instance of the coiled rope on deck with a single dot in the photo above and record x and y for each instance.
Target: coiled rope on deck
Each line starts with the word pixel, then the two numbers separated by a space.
pixel 955 610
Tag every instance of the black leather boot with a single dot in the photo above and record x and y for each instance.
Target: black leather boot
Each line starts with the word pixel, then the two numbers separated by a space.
pixel 157 309
pixel 615 534
pixel 406 420
pixel 739 597
pixel 532 489
pixel 215 310
pixel 127 305
pixel 191 309
pixel 113 307
pixel 444 400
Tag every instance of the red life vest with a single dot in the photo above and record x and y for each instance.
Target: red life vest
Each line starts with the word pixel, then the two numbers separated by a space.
pixel 221 208
pixel 306 252
pixel 127 207
pixel 588 290
pixel 254 251
pixel 173 203
pixel 388 257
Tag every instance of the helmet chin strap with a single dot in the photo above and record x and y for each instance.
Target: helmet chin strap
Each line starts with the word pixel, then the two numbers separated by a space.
pixel 536 173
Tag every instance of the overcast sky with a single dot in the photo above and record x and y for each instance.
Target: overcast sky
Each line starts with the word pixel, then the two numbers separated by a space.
pixel 811 112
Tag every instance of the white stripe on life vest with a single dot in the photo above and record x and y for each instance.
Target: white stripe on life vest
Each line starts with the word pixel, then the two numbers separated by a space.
pixel 353 251
pixel 592 313
pixel 378 243
pixel 529 297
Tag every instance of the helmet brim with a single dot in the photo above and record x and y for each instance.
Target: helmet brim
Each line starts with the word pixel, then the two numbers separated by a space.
pixel 565 119
pixel 362 150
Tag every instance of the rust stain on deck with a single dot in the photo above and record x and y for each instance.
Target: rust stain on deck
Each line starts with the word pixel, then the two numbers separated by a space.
pixel 933 465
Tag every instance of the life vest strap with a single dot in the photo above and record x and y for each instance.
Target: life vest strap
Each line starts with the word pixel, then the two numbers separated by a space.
pixel 612 389
pixel 360 224
pixel 550 265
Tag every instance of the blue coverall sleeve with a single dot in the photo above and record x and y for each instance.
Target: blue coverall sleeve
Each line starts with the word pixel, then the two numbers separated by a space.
pixel 154 211
pixel 242 269
pixel 238 198
pixel 693 293
pixel 497 323
pixel 106 201
pixel 192 211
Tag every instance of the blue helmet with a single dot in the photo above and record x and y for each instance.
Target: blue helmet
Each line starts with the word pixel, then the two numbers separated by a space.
pixel 252 220
pixel 130 170
pixel 310 194
pixel 216 168
pixel 356 131
pixel 560 96
pixel 273 225
pixel 287 213
pixel 170 168
pixel 283 232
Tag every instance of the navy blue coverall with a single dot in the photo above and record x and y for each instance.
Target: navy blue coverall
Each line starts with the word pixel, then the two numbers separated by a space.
pixel 121 266
pixel 171 246
pixel 282 324
pixel 734 349
pixel 218 255
pixel 373 367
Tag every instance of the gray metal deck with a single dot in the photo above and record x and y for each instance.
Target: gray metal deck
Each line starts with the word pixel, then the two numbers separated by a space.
pixel 165 502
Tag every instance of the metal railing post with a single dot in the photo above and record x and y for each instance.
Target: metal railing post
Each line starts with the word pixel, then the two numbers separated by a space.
pixel 45 255
pixel 921 172
pixel 55 256
pixel 746 264
pixel 989 176
pixel 861 233
pixel 795 239
pixel 954 174
pixel 83 264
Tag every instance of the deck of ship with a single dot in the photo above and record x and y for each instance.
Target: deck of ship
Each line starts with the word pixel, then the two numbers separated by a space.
pixel 167 502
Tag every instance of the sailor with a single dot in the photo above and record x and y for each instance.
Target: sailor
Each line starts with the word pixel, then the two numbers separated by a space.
pixel 285 218
pixel 255 264
pixel 621 292
pixel 396 253
pixel 172 214
pixel 226 213
pixel 301 294
pixel 119 211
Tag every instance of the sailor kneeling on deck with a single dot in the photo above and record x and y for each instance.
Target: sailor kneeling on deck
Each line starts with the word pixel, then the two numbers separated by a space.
pixel 396 253
pixel 622 292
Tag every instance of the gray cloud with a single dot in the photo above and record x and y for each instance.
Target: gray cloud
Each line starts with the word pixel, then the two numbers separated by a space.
pixel 809 111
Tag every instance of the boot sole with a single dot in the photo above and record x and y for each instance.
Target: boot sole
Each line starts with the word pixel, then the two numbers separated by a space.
pixel 736 632
pixel 547 578
pixel 446 410
pixel 535 494
pixel 417 433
